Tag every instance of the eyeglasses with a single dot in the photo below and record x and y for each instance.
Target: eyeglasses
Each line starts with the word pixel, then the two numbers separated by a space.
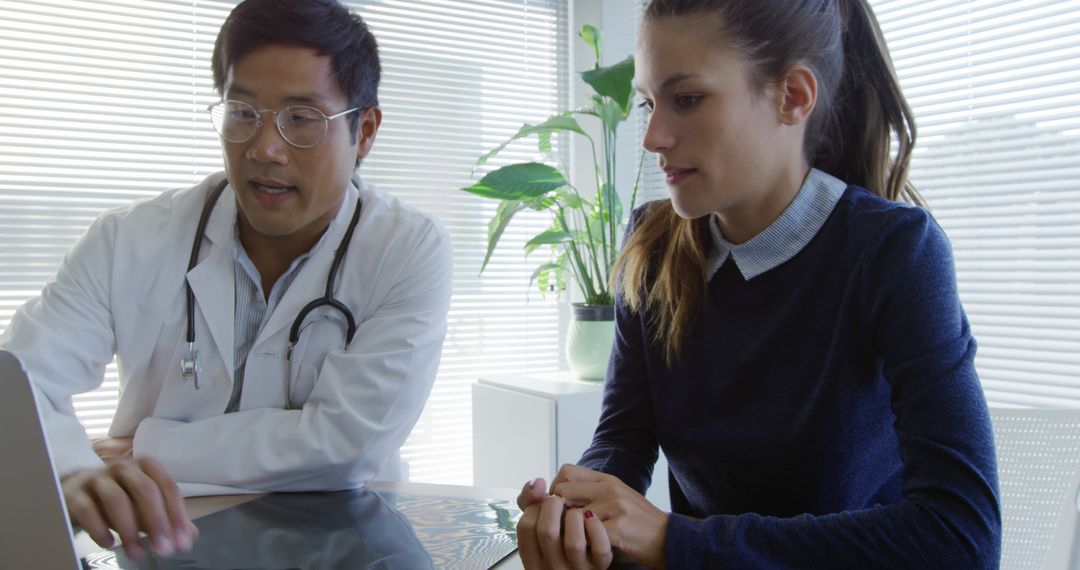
pixel 300 125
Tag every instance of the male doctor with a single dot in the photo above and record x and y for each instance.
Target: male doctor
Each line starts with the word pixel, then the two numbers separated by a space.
pixel 241 405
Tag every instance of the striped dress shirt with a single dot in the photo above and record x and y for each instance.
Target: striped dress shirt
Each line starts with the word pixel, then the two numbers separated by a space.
pixel 253 307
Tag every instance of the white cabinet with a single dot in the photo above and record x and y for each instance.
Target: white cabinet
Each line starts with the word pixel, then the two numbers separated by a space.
pixel 528 426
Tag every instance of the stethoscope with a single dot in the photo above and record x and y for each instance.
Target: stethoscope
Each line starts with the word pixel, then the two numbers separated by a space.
pixel 190 365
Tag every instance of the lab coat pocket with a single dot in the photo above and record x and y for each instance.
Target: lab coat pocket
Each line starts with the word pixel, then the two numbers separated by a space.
pixel 178 399
pixel 317 337
pixel 303 384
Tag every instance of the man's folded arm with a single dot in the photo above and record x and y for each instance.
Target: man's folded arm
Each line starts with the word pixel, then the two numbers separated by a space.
pixel 364 405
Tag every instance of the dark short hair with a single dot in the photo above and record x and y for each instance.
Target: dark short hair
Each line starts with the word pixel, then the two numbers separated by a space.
pixel 326 26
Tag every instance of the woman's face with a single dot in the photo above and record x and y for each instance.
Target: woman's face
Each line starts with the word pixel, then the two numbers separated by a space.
pixel 719 139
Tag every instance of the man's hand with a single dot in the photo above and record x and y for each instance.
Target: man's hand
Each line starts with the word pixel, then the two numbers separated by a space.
pixel 113 449
pixel 129 496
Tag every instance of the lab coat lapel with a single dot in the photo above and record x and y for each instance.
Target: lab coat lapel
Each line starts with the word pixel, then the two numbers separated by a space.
pixel 212 280
pixel 310 283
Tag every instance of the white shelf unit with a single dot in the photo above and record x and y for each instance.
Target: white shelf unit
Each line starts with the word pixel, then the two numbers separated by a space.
pixel 528 426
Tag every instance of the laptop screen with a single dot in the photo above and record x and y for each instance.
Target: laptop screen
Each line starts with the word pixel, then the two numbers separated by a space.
pixel 34 529
pixel 346 529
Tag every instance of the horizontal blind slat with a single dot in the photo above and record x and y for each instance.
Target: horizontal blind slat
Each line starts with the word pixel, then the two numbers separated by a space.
pixel 992 84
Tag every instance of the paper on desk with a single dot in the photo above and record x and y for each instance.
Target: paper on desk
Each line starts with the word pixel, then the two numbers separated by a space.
pixel 206 489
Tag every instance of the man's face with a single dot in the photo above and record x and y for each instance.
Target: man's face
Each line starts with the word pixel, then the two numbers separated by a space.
pixel 283 191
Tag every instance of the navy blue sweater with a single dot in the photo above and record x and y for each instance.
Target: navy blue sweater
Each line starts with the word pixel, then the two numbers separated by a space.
pixel 825 414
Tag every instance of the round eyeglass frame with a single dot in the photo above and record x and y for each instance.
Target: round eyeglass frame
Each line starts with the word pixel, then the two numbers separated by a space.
pixel 277 122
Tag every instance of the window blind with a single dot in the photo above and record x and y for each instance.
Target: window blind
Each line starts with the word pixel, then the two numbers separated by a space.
pixel 460 78
pixel 104 102
pixel 992 84
pixel 653 185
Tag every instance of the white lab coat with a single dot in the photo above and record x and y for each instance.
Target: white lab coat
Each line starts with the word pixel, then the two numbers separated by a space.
pixel 120 290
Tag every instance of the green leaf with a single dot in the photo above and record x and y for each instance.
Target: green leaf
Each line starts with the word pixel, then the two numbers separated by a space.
pixel 602 298
pixel 562 122
pixel 543 142
pixel 588 111
pixel 498 224
pixel 542 203
pixel 569 198
pixel 549 237
pixel 615 208
pixel 560 271
pixel 591 36
pixel 615 82
pixel 542 274
pixel 542 282
pixel 609 113
pixel 523 181
pixel 596 227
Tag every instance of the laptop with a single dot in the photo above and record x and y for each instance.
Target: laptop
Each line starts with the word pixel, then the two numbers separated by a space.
pixel 34 529
pixel 360 528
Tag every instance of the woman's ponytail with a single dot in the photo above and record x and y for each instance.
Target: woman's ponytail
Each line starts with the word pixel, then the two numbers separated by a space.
pixel 868 110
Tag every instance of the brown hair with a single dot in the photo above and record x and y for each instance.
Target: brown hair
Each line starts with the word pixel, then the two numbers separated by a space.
pixel 860 107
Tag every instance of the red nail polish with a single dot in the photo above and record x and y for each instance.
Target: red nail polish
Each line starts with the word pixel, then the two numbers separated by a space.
pixel 588 514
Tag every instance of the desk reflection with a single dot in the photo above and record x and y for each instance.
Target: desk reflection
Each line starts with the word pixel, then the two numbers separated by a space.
pixel 348 529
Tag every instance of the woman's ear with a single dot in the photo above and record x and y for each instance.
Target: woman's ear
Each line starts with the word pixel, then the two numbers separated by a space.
pixel 798 95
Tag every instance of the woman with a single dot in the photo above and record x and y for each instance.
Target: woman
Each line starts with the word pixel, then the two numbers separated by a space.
pixel 787 331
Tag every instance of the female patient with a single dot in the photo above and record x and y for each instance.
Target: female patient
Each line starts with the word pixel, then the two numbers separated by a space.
pixel 788 331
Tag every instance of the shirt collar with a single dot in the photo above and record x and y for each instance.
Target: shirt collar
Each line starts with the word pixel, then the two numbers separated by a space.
pixel 786 236
pixel 240 256
pixel 339 220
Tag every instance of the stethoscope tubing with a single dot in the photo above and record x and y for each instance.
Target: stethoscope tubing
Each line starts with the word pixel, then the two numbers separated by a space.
pixel 328 298
pixel 190 365
pixel 196 246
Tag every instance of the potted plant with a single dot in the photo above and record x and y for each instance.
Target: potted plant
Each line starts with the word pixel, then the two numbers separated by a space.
pixel 582 238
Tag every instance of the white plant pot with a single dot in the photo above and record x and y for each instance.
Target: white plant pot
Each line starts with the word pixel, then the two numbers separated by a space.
pixel 590 339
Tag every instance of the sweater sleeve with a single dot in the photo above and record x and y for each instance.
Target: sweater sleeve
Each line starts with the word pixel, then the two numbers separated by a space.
pixel 949 516
pixel 624 443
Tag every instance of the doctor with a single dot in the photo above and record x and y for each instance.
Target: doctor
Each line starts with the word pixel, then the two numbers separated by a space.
pixel 197 296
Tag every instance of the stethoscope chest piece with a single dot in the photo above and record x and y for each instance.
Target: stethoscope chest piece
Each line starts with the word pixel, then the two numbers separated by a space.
pixel 189 366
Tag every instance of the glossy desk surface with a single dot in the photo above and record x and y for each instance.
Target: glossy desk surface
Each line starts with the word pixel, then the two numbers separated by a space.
pixel 385 525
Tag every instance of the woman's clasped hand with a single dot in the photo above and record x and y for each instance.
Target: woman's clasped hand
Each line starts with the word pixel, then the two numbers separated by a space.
pixel 585 519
